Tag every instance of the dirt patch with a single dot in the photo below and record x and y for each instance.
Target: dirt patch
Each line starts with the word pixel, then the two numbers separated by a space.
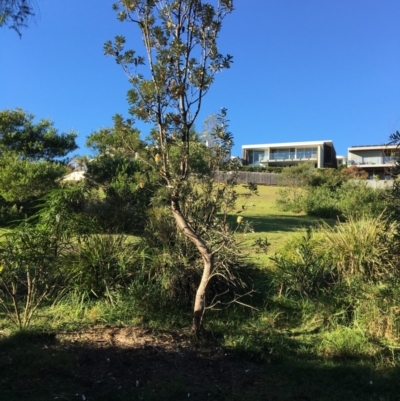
pixel 137 359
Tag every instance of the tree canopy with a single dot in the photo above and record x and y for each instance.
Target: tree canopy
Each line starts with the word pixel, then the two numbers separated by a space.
pixel 34 141
pixel 31 156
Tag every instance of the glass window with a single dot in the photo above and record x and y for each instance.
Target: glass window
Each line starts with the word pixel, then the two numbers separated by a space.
pixel 281 154
pixel 300 154
pixel 307 153
pixel 255 156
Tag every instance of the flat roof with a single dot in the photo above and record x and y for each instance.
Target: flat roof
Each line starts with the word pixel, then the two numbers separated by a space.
pixel 372 147
pixel 285 144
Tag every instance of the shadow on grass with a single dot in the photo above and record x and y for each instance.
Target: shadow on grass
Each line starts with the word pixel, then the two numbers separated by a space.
pixel 39 366
pixel 281 223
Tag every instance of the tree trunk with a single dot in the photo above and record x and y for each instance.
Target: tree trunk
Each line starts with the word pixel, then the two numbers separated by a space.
pixel 208 259
pixel 200 299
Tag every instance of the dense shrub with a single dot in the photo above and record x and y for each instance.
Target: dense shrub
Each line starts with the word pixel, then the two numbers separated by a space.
pixel 328 193
pixel 127 186
pixel 350 271
pixel 30 261
pixel 33 254
pixel 356 199
pixel 364 248
pixel 303 270
pixel 101 266
pixel 320 202
pixel 173 260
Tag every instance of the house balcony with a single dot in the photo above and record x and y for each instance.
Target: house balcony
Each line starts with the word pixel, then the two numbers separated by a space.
pixel 289 157
pixel 367 162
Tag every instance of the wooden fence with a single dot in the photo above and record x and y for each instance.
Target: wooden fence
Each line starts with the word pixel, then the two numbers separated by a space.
pixel 244 177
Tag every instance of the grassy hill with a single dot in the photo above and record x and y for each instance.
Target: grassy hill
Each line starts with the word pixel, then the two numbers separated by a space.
pixel 283 347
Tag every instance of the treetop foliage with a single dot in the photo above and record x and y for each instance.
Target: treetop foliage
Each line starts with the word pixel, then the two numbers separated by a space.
pixel 180 40
pixel 34 141
pixel 120 140
pixel 16 13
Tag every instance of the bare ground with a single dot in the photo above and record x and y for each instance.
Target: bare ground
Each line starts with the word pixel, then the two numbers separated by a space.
pixel 109 363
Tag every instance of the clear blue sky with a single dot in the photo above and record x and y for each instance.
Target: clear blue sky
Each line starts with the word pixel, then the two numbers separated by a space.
pixel 303 70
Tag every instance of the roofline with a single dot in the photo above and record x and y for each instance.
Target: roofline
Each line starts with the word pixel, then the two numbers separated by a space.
pixel 286 144
pixel 372 147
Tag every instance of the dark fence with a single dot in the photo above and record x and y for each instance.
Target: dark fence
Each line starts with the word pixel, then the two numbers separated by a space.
pixel 244 177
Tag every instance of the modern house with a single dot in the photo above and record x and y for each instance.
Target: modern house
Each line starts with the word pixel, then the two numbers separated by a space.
pixel 377 160
pixel 341 160
pixel 321 153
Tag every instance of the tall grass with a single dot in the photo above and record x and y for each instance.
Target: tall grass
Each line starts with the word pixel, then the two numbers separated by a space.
pixel 363 247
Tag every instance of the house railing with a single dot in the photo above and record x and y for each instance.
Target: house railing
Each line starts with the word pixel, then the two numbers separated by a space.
pixel 362 161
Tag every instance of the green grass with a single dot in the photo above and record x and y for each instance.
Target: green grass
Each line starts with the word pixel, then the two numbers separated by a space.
pixel 269 222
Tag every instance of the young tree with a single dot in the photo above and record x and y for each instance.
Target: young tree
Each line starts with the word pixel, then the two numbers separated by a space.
pixel 180 41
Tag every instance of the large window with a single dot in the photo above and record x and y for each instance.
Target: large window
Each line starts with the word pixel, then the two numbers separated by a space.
pixel 255 156
pixel 282 154
pixel 307 153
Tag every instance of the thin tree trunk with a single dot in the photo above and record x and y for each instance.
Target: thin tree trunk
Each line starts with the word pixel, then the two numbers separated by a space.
pixel 208 259
pixel 200 299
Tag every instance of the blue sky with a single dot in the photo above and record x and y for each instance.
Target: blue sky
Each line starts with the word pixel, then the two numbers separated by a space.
pixel 303 70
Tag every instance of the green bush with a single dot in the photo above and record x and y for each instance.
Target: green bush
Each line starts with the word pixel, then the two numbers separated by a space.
pixel 320 202
pixel 102 265
pixel 290 200
pixel 306 272
pixel 128 189
pixel 356 199
pixel 31 258
pixel 363 248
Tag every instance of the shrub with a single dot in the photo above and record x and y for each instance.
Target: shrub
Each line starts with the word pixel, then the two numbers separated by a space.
pixel 363 248
pixel 128 187
pixel 102 265
pixel 356 199
pixel 9 212
pixel 30 265
pixel 174 265
pixel 305 272
pixel 33 255
pixel 321 202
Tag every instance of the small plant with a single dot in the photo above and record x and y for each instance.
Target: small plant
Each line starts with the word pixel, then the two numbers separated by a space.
pixel 29 273
pixel 261 245
pixel 32 256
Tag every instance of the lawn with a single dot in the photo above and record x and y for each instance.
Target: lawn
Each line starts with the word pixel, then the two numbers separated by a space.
pixel 269 222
